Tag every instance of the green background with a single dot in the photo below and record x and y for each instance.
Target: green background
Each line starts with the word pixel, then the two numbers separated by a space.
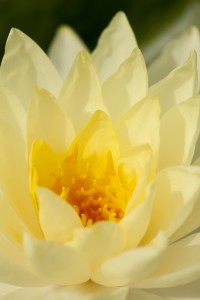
pixel 39 19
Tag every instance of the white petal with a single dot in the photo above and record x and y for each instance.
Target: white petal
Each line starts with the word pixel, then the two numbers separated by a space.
pixel 178 86
pixel 58 263
pixel 179 131
pixel 14 173
pixel 115 44
pixel 140 125
pixel 25 65
pixel 180 265
pixel 127 86
pixel 101 241
pixel 131 265
pixel 81 93
pixel 47 121
pixel 63 49
pixel 177 191
pixel 57 218
pixel 175 54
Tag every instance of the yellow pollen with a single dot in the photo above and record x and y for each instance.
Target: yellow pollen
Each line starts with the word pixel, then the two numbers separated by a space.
pixel 94 199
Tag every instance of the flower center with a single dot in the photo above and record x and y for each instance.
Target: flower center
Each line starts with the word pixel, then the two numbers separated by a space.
pixel 94 198
pixel 95 186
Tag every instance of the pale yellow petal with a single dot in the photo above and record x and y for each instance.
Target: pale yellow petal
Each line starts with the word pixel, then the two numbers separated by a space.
pixel 10 222
pixel 179 131
pixel 190 291
pixel 14 173
pixel 13 266
pixel 63 49
pixel 90 291
pixel 97 138
pixel 135 222
pixel 80 103
pixel 180 265
pixel 30 293
pixel 99 242
pixel 57 218
pixel 136 294
pixel 175 54
pixel 25 65
pixel 127 86
pixel 115 44
pixel 47 121
pixel 132 265
pixel 140 125
pixel 178 86
pixel 58 263
pixel 176 193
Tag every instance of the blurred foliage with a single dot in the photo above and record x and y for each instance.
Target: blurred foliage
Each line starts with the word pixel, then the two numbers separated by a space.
pixel 39 19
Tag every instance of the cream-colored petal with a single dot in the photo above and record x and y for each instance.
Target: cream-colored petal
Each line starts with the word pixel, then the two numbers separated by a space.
pixel 180 265
pixel 140 125
pixel 90 291
pixel 127 86
pixel 179 131
pixel 14 174
pixel 135 222
pixel 13 267
pixel 176 192
pixel 81 93
pixel 57 218
pixel 25 65
pixel 115 44
pixel 57 263
pixel 136 294
pixel 36 293
pixel 63 49
pixel 132 265
pixel 99 242
pixel 175 54
pixel 178 86
pixel 10 222
pixel 47 121
pixel 6 289
pixel 192 221
pixel 189 291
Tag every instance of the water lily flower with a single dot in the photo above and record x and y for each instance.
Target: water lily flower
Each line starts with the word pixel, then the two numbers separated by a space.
pixel 100 173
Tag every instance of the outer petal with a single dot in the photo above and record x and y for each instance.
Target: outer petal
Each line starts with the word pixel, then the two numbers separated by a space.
pixel 13 266
pixel 47 121
pixel 177 191
pixel 63 49
pixel 140 125
pixel 143 295
pixel 180 265
pixel 127 86
pixel 179 131
pixel 37 293
pixel 81 93
pixel 14 175
pixel 175 54
pixel 59 264
pixel 180 85
pixel 101 241
pixel 25 65
pixel 115 44
pixel 186 292
pixel 131 265
pixel 57 218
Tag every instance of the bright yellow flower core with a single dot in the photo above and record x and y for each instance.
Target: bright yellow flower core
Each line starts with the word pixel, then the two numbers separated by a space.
pixel 95 197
